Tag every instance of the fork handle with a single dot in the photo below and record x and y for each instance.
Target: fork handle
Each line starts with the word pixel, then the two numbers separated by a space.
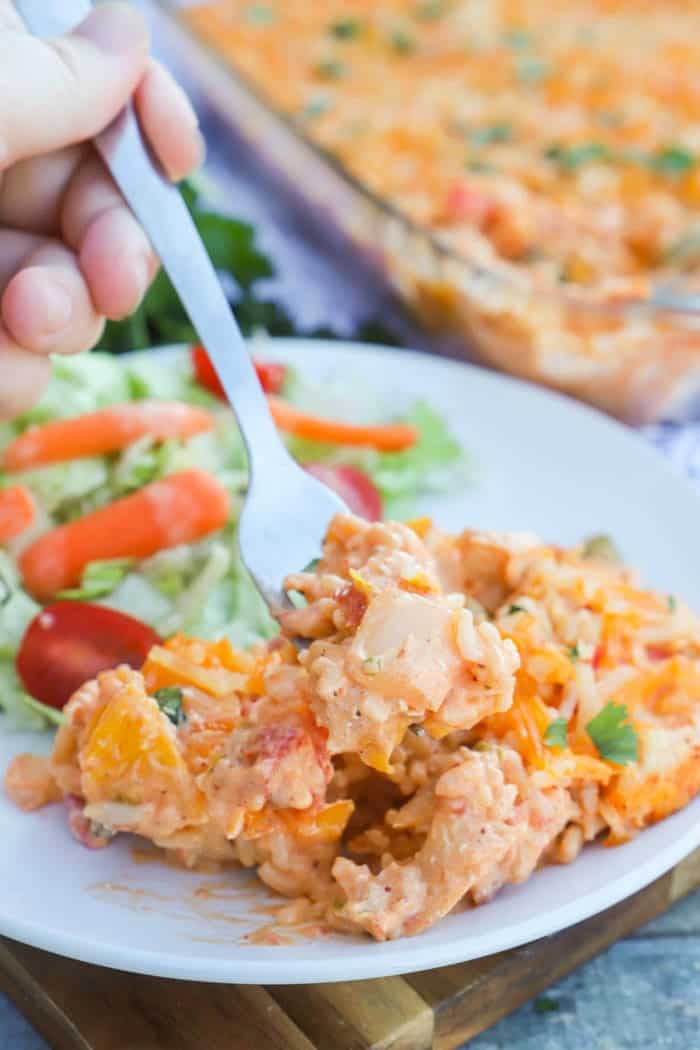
pixel 164 216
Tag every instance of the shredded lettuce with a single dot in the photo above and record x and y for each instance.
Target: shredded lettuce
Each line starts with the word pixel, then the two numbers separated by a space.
pixel 99 579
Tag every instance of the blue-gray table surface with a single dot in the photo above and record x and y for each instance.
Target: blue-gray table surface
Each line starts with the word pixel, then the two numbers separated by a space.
pixel 642 994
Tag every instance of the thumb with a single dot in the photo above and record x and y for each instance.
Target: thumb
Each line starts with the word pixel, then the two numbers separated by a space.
pixel 54 93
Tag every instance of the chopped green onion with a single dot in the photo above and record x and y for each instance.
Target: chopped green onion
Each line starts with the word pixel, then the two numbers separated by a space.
pixel 402 42
pixel 346 28
pixel 330 69
pixel 169 700
pixel 555 735
pixel 673 160
pixel 491 133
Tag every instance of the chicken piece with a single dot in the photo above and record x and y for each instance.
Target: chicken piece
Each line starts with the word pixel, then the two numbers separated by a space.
pixel 489 826
pixel 359 559
pixel 479 563
pixel 412 656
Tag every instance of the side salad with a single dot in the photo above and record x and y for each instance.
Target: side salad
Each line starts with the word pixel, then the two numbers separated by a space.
pixel 119 500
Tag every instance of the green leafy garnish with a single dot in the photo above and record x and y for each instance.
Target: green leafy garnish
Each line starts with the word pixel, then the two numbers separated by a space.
pixel 516 609
pixel 672 602
pixel 517 39
pixel 99 579
pixel 169 700
pixel 531 70
pixel 491 133
pixel 673 160
pixel 402 42
pixel 259 14
pixel 431 9
pixel 556 733
pixel 614 738
pixel 601 548
pixel 330 69
pixel 571 158
pixel 545 1005
pixel 574 653
pixel 346 28
pixel 316 107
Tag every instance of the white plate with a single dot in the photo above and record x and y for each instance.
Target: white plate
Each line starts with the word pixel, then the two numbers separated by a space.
pixel 545 464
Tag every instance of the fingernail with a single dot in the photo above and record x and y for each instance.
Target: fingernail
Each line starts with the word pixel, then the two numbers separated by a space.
pixel 56 308
pixel 116 29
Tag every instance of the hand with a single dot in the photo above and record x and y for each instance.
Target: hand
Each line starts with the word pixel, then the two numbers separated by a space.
pixel 71 253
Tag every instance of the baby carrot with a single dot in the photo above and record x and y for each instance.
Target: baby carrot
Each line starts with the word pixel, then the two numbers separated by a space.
pixel 17 511
pixel 386 437
pixel 177 509
pixel 106 430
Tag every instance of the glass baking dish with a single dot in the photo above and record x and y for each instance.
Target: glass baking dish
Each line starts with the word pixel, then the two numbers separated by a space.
pixel 638 359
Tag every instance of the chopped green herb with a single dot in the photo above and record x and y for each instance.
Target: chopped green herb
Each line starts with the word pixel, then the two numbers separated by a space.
pixel 556 733
pixel 330 69
pixel 673 160
pixel 430 10
pixel 169 700
pixel 545 1005
pixel 685 251
pixel 259 14
pixel 518 39
pixel 672 602
pixel 474 164
pixel 316 107
pixel 516 609
pixel 491 133
pixel 614 738
pixel 601 548
pixel 402 42
pixel 346 28
pixel 571 158
pixel 574 653
pixel 531 70
pixel 313 564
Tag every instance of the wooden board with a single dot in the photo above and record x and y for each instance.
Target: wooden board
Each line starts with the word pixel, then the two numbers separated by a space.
pixel 81 1007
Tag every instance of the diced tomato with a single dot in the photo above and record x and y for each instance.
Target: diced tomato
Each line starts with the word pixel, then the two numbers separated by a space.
pixel 353 486
pixel 68 643
pixel 467 203
pixel 271 375
pixel 656 653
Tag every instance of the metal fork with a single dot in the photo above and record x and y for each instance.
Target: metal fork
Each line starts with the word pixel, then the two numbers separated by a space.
pixel 286 511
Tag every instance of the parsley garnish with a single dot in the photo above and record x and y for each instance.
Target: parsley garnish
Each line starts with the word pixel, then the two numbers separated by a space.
pixel 260 14
pixel 672 602
pixel 571 158
pixel 531 70
pixel 556 733
pixel 330 69
pixel 673 160
pixel 574 653
pixel 346 28
pixel 614 738
pixel 431 9
pixel 402 42
pixel 169 700
pixel 516 609
pixel 491 133
pixel 601 548
pixel 517 39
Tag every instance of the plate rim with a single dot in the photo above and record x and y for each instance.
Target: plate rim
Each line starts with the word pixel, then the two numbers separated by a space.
pixel 405 955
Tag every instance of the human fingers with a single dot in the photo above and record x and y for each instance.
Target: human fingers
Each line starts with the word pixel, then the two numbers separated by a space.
pixel 55 93
pixel 47 307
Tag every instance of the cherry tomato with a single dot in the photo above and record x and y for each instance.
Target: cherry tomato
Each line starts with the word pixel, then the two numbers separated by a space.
pixel 352 485
pixel 271 376
pixel 68 643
